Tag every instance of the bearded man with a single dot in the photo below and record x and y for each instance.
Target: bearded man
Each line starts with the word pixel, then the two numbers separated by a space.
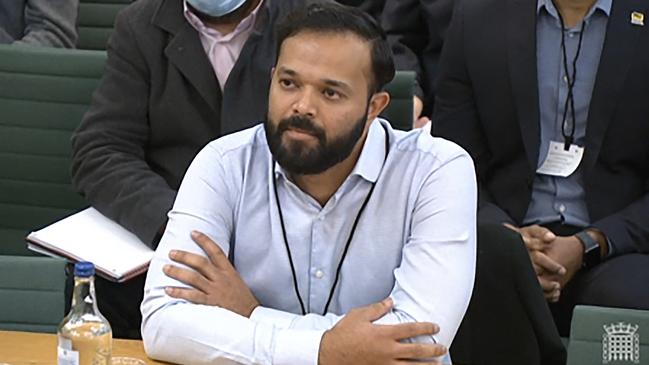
pixel 321 236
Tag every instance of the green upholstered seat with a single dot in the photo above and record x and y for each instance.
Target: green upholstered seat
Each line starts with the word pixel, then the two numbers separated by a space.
pixel 600 335
pixel 44 94
pixel 96 20
pixel 31 293
pixel 401 89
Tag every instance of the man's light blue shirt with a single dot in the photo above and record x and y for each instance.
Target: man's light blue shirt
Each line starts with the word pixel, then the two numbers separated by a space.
pixel 415 242
pixel 561 199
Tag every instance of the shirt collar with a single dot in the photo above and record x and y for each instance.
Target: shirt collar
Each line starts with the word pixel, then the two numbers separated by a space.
pixel 372 157
pixel 603 5
pixel 198 24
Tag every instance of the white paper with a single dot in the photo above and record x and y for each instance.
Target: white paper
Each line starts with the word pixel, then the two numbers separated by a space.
pixel 560 162
pixel 67 357
pixel 90 236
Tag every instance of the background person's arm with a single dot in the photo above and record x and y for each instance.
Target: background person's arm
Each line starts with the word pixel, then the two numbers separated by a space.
pixel 50 23
pixel 109 148
pixel 4 36
pixel 626 231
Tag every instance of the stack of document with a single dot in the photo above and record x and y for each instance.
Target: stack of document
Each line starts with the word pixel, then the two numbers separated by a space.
pixel 118 254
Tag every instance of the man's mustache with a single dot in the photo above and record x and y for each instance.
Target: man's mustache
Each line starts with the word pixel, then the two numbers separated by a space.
pixel 302 123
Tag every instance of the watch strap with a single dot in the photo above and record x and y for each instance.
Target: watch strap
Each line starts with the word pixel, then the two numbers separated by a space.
pixel 592 255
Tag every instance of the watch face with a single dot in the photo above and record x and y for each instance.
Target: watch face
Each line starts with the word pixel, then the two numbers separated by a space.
pixel 592 245
pixel 592 258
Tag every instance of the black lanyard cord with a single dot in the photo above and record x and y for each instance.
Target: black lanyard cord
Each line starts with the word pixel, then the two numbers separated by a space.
pixel 571 80
pixel 347 244
pixel 288 249
pixel 349 241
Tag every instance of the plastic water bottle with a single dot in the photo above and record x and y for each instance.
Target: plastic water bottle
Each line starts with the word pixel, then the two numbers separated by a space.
pixel 85 336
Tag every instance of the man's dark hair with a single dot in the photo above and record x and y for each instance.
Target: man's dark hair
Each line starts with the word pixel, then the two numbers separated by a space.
pixel 337 18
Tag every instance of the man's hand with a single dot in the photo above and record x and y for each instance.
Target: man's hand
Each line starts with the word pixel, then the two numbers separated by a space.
pixel 213 280
pixel 536 238
pixel 538 241
pixel 355 340
pixel 569 253
pixel 418 120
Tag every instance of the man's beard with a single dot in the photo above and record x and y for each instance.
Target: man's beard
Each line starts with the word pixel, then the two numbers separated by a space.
pixel 299 158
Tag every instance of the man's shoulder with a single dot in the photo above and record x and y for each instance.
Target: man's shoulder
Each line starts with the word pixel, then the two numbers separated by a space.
pixel 485 11
pixel 420 142
pixel 142 9
pixel 239 143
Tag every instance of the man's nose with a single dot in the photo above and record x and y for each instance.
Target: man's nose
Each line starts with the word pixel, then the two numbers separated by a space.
pixel 306 103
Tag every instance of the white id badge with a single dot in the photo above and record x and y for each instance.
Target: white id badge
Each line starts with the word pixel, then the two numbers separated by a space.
pixel 560 162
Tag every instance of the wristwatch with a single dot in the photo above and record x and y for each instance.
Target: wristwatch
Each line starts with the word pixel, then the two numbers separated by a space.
pixel 592 255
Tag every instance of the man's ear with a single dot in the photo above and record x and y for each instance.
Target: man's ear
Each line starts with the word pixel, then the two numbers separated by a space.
pixel 378 102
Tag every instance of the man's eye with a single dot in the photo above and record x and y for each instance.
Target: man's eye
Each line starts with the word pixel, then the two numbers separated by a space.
pixel 286 83
pixel 331 94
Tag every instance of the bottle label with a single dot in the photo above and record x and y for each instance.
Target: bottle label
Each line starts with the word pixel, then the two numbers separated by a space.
pixel 67 357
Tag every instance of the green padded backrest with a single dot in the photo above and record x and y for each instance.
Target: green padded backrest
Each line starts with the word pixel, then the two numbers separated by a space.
pixel 31 293
pixel 600 335
pixel 401 89
pixel 44 94
pixel 96 20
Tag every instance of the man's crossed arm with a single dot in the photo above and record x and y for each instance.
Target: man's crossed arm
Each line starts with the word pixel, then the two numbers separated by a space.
pixel 355 339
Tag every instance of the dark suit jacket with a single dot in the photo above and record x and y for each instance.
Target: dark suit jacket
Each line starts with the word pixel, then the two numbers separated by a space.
pixel 415 30
pixel 158 104
pixel 487 101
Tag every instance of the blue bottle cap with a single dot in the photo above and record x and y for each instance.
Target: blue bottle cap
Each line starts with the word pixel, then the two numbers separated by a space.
pixel 84 269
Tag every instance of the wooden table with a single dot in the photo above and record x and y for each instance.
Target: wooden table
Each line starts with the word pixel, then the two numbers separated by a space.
pixel 26 348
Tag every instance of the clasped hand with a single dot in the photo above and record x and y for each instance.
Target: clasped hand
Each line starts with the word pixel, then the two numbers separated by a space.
pixel 555 259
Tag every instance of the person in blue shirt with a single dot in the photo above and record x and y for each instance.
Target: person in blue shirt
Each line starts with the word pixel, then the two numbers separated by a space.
pixel 286 238
pixel 552 106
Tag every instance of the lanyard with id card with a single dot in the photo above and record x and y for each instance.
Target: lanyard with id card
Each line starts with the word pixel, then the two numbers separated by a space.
pixel 560 162
pixel 564 158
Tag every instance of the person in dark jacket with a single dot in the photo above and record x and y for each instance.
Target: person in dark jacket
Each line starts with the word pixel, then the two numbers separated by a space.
pixel 549 97
pixel 179 74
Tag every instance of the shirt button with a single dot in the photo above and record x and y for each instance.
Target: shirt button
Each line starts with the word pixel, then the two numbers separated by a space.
pixel 565 79
pixel 319 274
pixel 562 208
pixel 571 34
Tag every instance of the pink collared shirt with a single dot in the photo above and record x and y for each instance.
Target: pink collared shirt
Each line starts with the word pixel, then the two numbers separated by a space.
pixel 222 49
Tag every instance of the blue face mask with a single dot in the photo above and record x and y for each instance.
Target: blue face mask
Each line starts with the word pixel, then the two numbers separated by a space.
pixel 216 8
